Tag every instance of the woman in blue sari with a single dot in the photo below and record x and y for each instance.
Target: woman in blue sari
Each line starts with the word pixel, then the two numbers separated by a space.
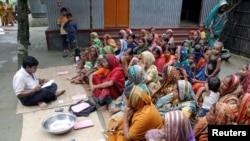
pixel 136 76
pixel 183 63
pixel 216 21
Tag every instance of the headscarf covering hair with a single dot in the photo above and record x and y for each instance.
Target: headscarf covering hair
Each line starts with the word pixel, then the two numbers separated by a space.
pixel 112 43
pixel 112 60
pixel 128 31
pixel 176 128
pixel 138 76
pixel 94 34
pixel 107 36
pixel 214 12
pixel 170 31
pixel 182 54
pixel 124 34
pixel 148 58
pixel 233 84
pixel 190 49
pixel 158 50
pixel 144 32
pixel 186 92
pixel 138 98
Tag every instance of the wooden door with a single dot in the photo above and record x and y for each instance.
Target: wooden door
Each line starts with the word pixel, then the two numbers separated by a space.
pixel 116 13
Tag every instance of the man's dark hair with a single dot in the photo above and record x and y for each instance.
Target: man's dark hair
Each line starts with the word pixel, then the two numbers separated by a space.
pixel 214 84
pixel 69 15
pixel 64 10
pixel 29 61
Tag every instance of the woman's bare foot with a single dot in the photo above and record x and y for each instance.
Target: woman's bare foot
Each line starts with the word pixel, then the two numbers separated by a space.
pixel 59 93
pixel 42 104
pixel 103 108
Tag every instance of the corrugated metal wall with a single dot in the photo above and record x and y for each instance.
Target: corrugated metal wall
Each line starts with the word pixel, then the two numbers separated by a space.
pixel 79 10
pixel 157 13
pixel 38 8
pixel 207 6
pixel 98 14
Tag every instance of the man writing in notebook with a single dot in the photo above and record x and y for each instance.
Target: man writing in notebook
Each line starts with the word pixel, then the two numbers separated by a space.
pixel 28 87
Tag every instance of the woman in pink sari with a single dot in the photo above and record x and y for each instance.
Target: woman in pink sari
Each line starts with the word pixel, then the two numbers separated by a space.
pixel 159 58
pixel 110 87
pixel 177 127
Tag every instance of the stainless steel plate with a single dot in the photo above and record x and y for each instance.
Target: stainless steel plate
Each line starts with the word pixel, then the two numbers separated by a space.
pixel 59 124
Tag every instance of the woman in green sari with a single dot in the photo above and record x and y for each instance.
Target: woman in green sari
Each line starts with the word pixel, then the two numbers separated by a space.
pixel 94 38
pixel 216 21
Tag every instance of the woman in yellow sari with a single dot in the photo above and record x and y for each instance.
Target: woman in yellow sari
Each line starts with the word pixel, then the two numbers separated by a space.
pixel 2 12
pixel 9 16
pixel 137 119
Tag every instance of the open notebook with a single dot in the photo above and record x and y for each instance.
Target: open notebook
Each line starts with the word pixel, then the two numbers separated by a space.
pixel 48 83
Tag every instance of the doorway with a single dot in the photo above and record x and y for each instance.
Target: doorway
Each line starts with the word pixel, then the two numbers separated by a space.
pixel 116 13
pixel 190 14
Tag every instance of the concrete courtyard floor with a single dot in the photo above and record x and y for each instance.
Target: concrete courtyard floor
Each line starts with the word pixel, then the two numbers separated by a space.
pixel 10 122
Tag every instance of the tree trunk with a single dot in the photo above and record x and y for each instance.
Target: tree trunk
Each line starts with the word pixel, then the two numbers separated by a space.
pixel 23 31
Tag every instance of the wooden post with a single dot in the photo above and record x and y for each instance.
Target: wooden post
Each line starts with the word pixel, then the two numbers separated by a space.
pixel 23 31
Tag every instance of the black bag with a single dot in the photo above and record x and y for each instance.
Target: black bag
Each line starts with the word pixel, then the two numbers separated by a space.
pixel 84 112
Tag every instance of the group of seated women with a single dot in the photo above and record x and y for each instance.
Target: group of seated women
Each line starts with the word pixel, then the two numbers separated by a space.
pixel 154 90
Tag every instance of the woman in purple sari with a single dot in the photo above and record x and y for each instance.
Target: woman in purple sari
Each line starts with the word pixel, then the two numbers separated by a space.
pixel 177 127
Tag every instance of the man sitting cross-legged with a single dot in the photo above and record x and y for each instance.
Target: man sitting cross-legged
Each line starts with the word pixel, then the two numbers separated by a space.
pixel 27 86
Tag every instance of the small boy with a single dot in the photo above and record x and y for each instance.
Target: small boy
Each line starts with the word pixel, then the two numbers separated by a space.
pixel 202 30
pixel 214 61
pixel 60 22
pixel 211 97
pixel 71 28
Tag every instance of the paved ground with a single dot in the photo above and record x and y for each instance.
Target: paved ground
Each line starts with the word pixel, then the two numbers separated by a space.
pixel 10 123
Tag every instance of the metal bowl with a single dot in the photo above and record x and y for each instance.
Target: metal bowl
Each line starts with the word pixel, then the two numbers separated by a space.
pixel 59 124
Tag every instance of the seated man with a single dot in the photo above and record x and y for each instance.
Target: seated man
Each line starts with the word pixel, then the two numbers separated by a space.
pixel 27 85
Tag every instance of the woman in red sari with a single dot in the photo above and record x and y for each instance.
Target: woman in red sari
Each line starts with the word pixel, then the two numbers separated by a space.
pixel 110 87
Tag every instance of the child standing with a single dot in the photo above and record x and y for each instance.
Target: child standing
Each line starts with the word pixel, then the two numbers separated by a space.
pixel 71 28
pixel 202 30
pixel 214 61
pixel 212 95
pixel 60 22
